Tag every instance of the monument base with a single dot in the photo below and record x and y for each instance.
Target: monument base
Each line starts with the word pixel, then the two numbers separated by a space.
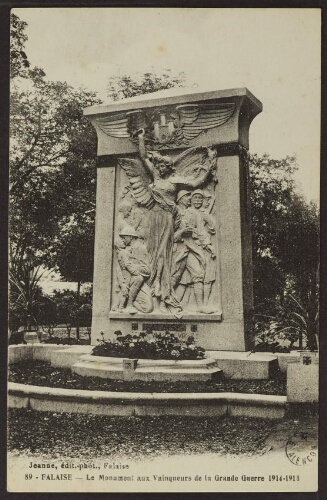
pixel 147 369
pixel 210 332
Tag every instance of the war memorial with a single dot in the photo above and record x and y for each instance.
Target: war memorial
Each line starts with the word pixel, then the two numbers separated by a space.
pixel 173 222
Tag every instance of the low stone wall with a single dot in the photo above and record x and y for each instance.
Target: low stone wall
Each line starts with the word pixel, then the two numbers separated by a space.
pixel 144 404
pixel 63 358
pixel 302 380
pixel 20 352
pixel 37 351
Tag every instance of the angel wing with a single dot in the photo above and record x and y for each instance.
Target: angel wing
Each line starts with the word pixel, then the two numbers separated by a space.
pixel 121 125
pixel 191 161
pixel 139 181
pixel 195 118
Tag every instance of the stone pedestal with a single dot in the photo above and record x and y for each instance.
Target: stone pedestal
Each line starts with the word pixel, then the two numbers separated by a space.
pixel 173 125
pixel 31 337
pixel 303 379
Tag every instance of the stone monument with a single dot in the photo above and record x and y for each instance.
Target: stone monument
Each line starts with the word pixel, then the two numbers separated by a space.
pixel 173 224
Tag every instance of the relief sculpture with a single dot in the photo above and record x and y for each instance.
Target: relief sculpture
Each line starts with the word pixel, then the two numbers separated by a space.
pixel 132 273
pixel 175 126
pixel 166 257
pixel 195 263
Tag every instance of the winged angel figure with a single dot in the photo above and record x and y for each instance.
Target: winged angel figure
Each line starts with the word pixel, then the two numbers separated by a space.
pixel 189 121
pixel 154 185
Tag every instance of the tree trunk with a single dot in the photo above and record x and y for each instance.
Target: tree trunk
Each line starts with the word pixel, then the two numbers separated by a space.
pixel 78 304
pixel 313 304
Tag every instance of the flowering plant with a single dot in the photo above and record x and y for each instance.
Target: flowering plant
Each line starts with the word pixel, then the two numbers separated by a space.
pixel 149 345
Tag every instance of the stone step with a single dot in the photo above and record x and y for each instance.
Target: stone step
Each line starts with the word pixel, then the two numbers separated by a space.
pixel 207 362
pixel 245 365
pixel 89 368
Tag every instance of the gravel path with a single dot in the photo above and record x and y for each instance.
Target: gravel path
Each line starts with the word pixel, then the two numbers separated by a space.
pixel 54 435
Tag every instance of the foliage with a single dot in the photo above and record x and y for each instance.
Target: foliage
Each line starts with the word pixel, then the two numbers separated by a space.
pixel 285 236
pixel 74 248
pixel 121 87
pixel 52 171
pixel 52 166
pixel 25 292
pixel 19 63
pixel 48 317
pixel 157 345
pixel 64 308
pixel 292 323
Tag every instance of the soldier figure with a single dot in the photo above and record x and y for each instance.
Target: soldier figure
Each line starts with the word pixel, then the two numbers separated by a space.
pixel 133 272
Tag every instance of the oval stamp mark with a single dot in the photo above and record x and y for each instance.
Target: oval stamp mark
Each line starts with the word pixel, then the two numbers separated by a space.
pixel 301 449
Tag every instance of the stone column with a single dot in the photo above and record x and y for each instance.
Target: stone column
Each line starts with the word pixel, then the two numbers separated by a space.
pixel 104 230
pixel 235 251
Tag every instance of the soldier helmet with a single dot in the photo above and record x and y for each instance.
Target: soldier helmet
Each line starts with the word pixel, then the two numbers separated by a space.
pixel 197 191
pixel 182 193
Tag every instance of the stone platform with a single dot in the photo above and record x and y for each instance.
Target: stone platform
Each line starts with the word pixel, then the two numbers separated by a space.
pixel 236 365
pixel 147 369
pixel 246 365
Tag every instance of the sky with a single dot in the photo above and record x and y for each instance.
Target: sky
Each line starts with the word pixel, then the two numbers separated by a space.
pixel 275 53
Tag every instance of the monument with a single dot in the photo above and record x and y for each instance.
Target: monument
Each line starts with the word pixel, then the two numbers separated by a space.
pixel 173 222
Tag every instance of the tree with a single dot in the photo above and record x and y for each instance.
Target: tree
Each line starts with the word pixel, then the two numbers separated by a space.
pixel 121 87
pixel 285 232
pixel 74 253
pixel 69 310
pixel 19 63
pixel 52 168
pixel 49 138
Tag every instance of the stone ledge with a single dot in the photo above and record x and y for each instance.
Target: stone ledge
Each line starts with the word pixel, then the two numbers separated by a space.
pixel 173 96
pixel 147 363
pixel 65 358
pixel 245 365
pixel 129 404
pixel 165 317
pixel 147 370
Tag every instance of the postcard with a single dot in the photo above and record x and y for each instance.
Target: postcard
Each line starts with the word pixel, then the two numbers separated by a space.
pixel 164 250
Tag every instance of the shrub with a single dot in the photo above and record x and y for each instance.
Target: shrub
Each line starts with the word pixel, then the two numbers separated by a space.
pixel 148 345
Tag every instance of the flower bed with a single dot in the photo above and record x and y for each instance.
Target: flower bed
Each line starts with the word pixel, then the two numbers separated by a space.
pixel 41 373
pixel 148 345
